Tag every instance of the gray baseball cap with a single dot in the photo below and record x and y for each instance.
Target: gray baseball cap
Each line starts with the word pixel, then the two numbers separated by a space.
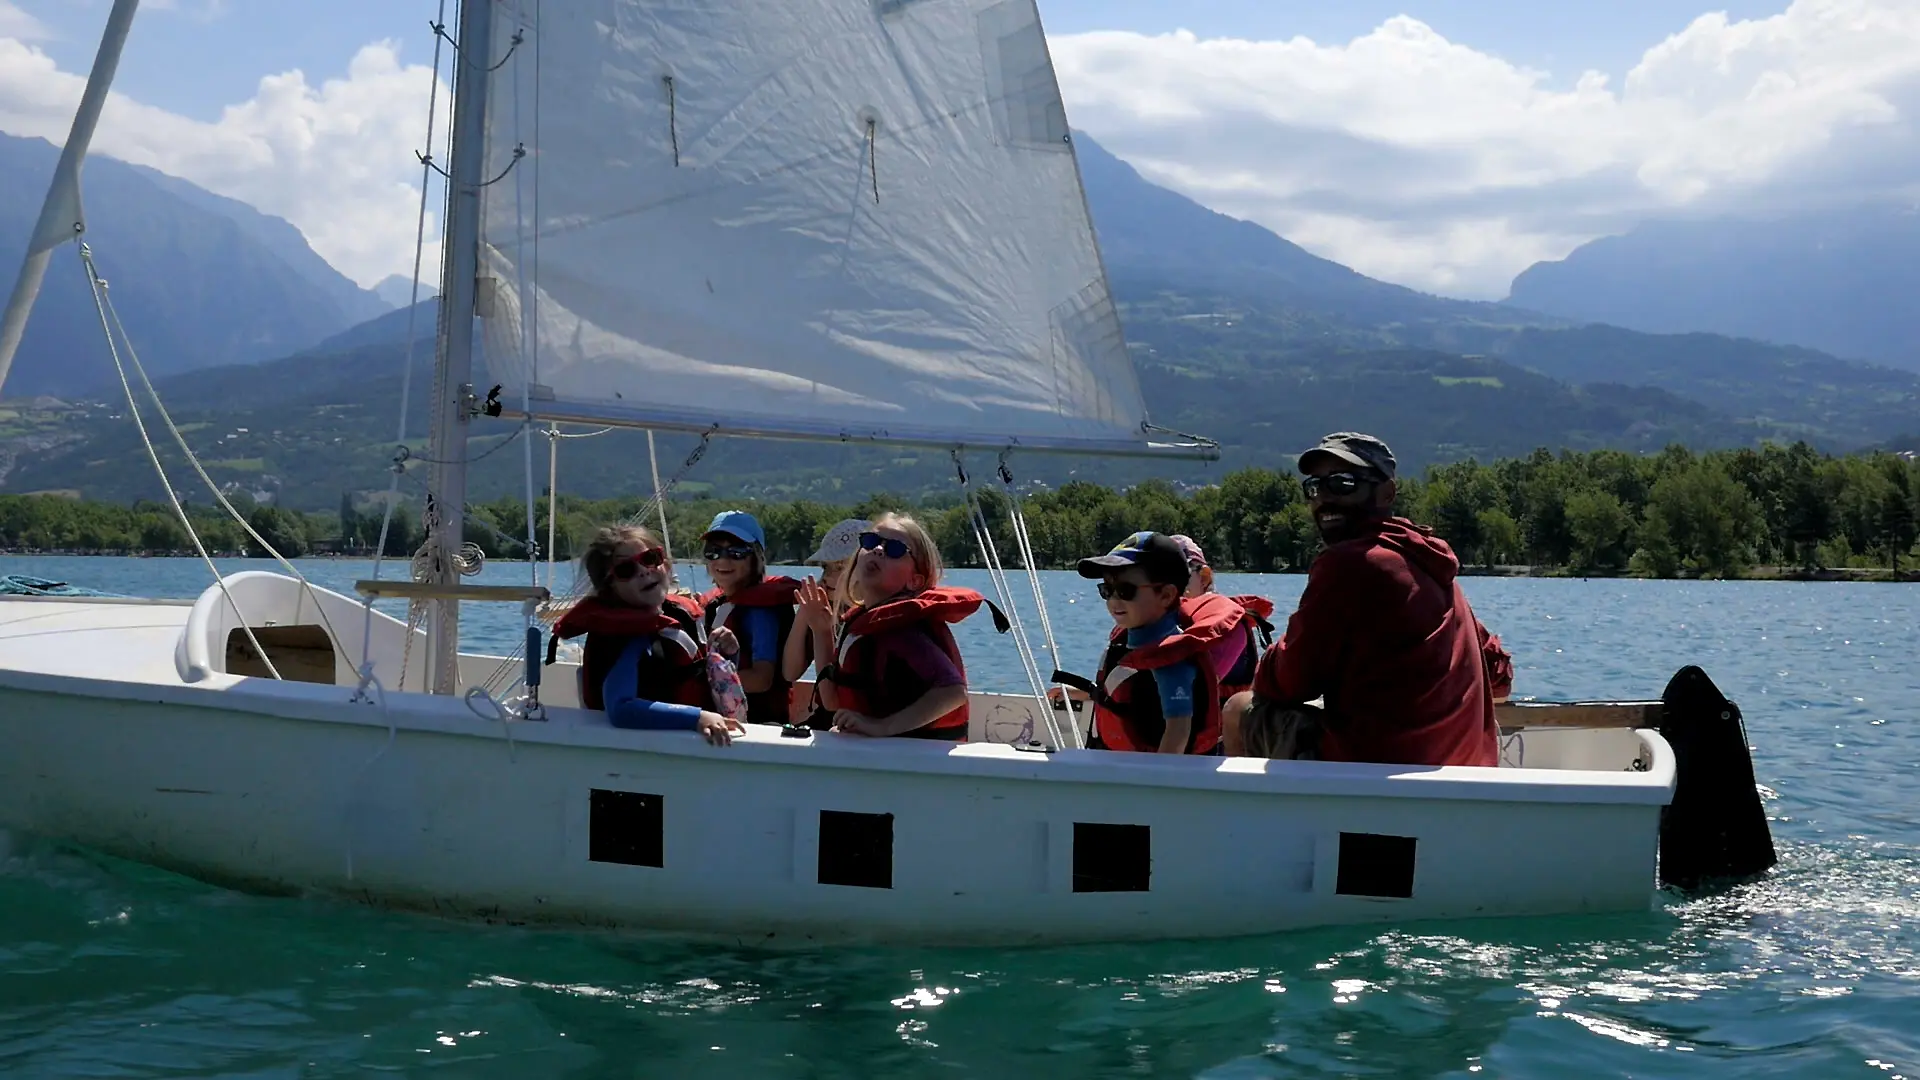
pixel 1353 448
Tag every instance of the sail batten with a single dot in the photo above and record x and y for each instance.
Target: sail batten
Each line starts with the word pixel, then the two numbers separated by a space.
pixel 809 218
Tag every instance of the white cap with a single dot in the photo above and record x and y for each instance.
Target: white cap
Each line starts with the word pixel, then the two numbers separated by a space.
pixel 842 542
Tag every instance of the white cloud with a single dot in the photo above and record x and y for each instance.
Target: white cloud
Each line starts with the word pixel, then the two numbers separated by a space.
pixel 1424 161
pixel 1400 153
pixel 19 25
pixel 334 159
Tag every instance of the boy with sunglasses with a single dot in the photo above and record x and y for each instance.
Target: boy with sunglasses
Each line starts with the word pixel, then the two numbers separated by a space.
pixel 1157 690
pixel 1383 635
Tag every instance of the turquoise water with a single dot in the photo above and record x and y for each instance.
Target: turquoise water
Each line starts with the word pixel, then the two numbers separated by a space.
pixel 110 969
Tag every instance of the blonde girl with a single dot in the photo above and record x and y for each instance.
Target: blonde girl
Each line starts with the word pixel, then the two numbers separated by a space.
pixel 896 668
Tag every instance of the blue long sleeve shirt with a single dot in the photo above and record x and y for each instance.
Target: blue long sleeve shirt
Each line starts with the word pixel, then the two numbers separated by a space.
pixel 627 709
pixel 1176 681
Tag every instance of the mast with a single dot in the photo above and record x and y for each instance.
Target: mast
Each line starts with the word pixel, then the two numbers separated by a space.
pixel 61 216
pixel 453 362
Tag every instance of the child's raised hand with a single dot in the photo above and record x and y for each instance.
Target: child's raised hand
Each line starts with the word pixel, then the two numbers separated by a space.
pixel 816 607
pixel 718 729
pixel 723 642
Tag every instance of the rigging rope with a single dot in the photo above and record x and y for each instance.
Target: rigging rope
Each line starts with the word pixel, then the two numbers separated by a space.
pixel 401 451
pixel 983 535
pixel 105 297
pixel 558 603
pixel 99 290
pixel 1024 539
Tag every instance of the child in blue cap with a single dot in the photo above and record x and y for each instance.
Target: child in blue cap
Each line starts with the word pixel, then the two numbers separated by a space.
pixel 749 615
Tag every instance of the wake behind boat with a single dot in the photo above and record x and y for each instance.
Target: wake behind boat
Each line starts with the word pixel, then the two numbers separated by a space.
pixel 866 225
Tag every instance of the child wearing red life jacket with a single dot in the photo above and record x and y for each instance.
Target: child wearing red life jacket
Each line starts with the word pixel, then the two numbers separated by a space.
pixel 1237 655
pixel 645 658
pixel 1157 690
pixel 748 614
pixel 820 602
pixel 896 668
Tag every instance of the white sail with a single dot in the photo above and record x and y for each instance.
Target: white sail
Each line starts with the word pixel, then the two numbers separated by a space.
pixel 834 218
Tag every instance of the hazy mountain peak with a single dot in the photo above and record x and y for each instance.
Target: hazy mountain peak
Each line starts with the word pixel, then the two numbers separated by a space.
pixel 1841 281
pixel 397 290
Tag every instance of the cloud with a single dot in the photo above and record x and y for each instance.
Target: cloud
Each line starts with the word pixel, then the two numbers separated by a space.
pixel 334 159
pixel 19 25
pixel 1425 161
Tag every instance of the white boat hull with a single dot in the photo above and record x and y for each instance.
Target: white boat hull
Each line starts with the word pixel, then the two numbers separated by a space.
pixel 420 803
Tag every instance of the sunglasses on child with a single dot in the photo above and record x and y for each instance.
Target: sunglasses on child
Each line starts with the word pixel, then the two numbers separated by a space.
pixel 1335 484
pixel 885 545
pixel 736 554
pixel 651 558
pixel 1125 590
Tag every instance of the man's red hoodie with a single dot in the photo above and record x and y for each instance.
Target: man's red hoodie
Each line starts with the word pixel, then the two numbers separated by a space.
pixel 1383 634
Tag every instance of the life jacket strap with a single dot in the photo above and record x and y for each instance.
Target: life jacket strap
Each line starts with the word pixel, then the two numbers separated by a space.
pixel 1098 693
pixel 1001 624
pixel 1078 682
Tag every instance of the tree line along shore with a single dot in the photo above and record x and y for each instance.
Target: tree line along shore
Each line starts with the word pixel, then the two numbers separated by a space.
pixel 1776 511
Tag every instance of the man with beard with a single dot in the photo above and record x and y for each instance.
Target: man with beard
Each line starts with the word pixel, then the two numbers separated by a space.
pixel 1383 635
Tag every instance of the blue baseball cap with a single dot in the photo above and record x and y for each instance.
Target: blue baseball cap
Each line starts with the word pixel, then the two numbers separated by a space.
pixel 1153 552
pixel 740 525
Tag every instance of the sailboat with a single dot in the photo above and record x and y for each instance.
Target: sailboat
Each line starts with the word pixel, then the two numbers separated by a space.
pixel 851 220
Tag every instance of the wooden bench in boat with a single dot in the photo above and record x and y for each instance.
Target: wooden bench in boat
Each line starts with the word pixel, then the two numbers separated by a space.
pixel 427 590
pixel 1521 715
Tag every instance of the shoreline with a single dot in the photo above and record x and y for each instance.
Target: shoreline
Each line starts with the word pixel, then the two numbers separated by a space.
pixel 1757 573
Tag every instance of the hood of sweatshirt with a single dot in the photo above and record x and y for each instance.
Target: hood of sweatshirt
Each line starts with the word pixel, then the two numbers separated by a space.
pixel 1417 542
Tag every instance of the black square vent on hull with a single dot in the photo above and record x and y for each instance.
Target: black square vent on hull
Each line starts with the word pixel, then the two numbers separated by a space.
pixel 1375 865
pixel 626 827
pixel 1112 858
pixel 856 849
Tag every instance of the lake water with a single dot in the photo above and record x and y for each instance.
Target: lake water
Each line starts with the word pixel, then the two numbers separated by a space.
pixel 109 969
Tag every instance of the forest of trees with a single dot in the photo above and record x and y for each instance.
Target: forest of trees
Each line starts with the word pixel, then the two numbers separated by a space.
pixel 1671 514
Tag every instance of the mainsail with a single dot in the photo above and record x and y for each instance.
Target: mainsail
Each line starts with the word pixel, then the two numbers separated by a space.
pixel 818 218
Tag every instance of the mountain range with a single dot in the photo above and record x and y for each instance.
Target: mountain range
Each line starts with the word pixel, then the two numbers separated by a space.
pixel 1237 333
pixel 1840 281
pixel 203 280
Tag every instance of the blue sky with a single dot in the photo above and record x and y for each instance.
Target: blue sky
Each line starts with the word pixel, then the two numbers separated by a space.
pixel 193 62
pixel 1442 144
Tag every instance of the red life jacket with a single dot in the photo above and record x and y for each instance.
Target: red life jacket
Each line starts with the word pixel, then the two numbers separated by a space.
pixel 1126 703
pixel 776 594
pixel 674 670
pixel 880 694
pixel 1258 627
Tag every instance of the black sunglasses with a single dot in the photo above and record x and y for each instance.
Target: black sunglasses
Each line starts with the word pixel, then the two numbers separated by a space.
pixel 737 554
pixel 1335 484
pixel 885 545
pixel 1125 590
pixel 651 558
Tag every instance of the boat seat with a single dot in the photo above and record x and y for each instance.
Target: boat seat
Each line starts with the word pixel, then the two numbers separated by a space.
pixel 299 653
pixel 312 635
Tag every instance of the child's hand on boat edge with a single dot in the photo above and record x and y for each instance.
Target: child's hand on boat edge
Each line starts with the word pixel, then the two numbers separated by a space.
pixel 718 729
